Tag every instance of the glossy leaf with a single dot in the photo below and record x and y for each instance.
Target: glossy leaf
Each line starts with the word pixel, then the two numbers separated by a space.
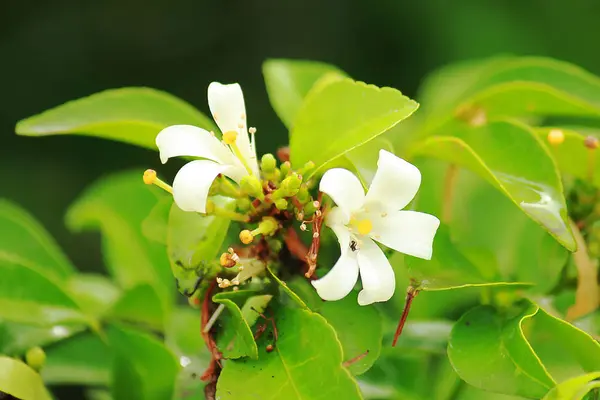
pixel 156 225
pixel 143 368
pixel 510 157
pixel 253 306
pixel 359 329
pixel 24 240
pixel 142 305
pixel 426 335
pixel 20 381
pixel 575 388
pixel 290 370
pixel 27 296
pixel 83 359
pixel 237 339
pixel 289 81
pixel 364 158
pixel 491 352
pixel 351 112
pixel 17 338
pixel 94 293
pixel 295 299
pixel 131 115
pixel 117 205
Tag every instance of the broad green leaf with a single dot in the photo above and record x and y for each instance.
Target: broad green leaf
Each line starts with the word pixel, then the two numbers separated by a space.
pixel 27 296
pixel 572 156
pixel 94 293
pixel 132 115
pixel 511 157
pixel 565 351
pixel 117 205
pixel 574 388
pixel 306 363
pixel 253 306
pixel 359 329
pixel 350 112
pixel 289 81
pixel 98 394
pixel 449 268
pixel 16 338
pixel 237 339
pixel 142 305
pixel 144 368
pixel 364 158
pixel 156 225
pixel 83 359
pixel 425 335
pixel 195 240
pixel 23 239
pixel 285 289
pixel 490 352
pixel 182 337
pixel 20 381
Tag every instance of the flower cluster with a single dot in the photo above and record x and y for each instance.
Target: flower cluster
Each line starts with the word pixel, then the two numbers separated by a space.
pixel 272 198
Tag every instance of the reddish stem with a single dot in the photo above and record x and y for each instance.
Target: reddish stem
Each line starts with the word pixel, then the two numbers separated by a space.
pixel 411 293
pixel 313 252
pixel 215 356
pixel 355 359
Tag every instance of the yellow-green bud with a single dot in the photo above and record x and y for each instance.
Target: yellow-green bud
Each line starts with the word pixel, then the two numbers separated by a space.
pixel 291 185
pixel 244 204
pixel 303 196
pixel 307 167
pixel 309 208
pixel 252 186
pixel 281 204
pixel 268 163
pixel 35 358
pixel 285 168
pixel 268 226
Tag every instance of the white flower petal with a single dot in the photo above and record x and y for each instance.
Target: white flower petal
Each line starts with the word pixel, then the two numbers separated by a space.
pixel 192 183
pixel 409 232
pixel 191 141
pixel 226 103
pixel 376 274
pixel 344 188
pixel 336 219
pixel 395 184
pixel 340 280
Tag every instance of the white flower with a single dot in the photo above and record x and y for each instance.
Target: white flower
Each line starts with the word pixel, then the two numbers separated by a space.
pixel 360 219
pixel 193 181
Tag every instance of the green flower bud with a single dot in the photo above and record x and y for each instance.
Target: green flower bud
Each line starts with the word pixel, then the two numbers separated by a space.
pixel 303 195
pixel 281 204
pixel 291 185
pixel 285 168
pixel 252 186
pixel 268 226
pixel 268 163
pixel 35 358
pixel 309 209
pixel 306 168
pixel 244 204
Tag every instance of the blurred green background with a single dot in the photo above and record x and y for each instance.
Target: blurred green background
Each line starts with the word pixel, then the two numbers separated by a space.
pixel 52 52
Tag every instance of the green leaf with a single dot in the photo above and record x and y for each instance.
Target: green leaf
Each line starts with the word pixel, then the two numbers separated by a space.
pixel 289 292
pixel 490 352
pixel 364 158
pixel 142 305
pixel 428 335
pixel 144 368
pixel 575 388
pixel 83 359
pixel 351 112
pixel 131 115
pixel 359 329
pixel 156 225
pixel 24 240
pixel 27 296
pixel 131 258
pixel 20 381
pixel 237 339
pixel 16 338
pixel 305 364
pixel 94 293
pixel 289 81
pixel 195 240
pixel 253 306
pixel 510 157
pixel 449 268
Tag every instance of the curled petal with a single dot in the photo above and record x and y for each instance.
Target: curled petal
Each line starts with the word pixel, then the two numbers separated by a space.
pixel 344 188
pixel 340 280
pixel 192 184
pixel 191 141
pixel 376 274
pixel 336 219
pixel 395 184
pixel 409 232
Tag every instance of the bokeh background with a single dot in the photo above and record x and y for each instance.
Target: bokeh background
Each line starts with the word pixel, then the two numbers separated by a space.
pixel 55 51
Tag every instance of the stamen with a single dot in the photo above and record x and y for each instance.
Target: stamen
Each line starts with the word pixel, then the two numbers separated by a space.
pixel 150 178
pixel 230 137
pixel 252 130
pixel 364 227
pixel 556 137
pixel 240 125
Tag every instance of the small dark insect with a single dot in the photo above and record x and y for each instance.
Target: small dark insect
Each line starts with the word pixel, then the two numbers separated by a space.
pixel 353 245
pixel 269 348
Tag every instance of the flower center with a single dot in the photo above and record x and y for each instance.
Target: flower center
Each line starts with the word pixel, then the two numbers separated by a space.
pixel 230 137
pixel 364 226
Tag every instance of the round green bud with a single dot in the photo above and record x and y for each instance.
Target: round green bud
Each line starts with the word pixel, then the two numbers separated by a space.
pixel 285 168
pixel 35 358
pixel 309 208
pixel 268 226
pixel 252 186
pixel 281 204
pixel 291 185
pixel 268 163
pixel 244 204
pixel 303 195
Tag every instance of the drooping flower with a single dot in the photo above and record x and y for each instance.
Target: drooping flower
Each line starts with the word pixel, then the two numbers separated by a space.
pixel 234 156
pixel 361 219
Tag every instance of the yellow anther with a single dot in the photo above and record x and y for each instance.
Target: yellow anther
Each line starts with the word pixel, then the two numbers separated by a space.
pixel 149 176
pixel 226 260
pixel 556 137
pixel 252 130
pixel 230 137
pixel 364 227
pixel 246 236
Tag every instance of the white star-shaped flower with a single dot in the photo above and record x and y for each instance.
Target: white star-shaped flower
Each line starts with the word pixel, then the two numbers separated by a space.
pixel 235 159
pixel 359 220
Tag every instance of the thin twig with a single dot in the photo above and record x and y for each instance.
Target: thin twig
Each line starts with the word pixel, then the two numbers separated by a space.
pixel 353 360
pixel 411 293
pixel 313 251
